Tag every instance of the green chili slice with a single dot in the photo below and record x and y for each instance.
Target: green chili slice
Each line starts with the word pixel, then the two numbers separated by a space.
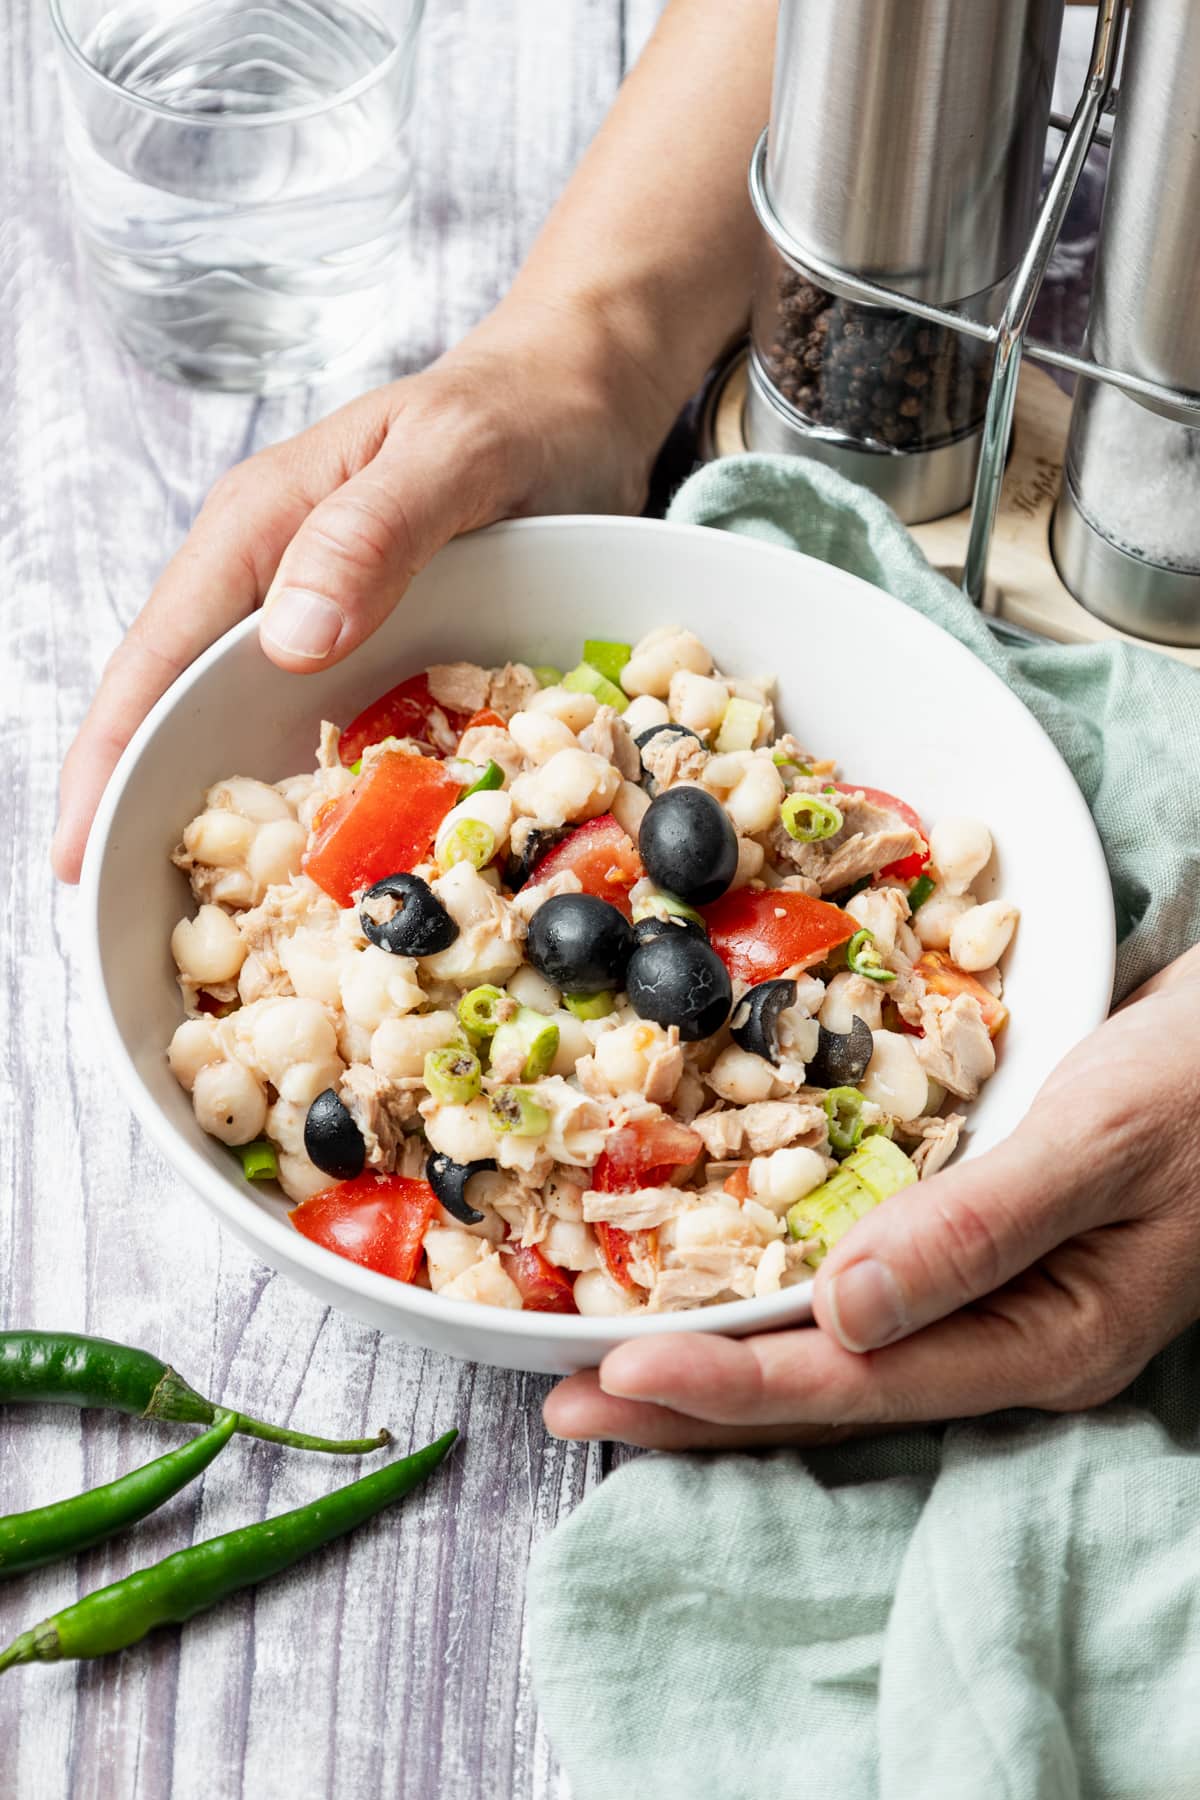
pixel 864 959
pixel 259 1161
pixel 484 1010
pixel 525 1045
pixel 471 841
pixel 919 892
pixel 843 1109
pixel 809 819
pixel 492 777
pixel 514 1110
pixel 790 762
pixel 590 1006
pixel 452 1075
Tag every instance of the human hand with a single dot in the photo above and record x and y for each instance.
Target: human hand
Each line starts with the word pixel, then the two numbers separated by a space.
pixel 534 413
pixel 1046 1274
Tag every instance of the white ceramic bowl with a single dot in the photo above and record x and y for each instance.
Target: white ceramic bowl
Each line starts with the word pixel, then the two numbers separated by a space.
pixel 897 702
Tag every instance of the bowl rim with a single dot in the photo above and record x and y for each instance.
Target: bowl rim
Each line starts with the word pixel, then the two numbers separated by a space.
pixel 281 1243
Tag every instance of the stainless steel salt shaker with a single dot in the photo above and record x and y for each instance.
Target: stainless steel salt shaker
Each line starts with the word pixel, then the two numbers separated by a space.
pixel 1127 526
pixel 905 145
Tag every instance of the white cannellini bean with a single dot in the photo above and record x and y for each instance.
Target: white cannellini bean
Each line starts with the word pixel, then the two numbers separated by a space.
pixel 312 961
pixel 208 947
pixel 220 839
pixel 563 1197
pixel 697 701
pixel 461 1132
pixel 623 1055
pixel 278 1034
pixel 229 1103
pixel 528 988
pixel 771 1265
pixel 299 1178
pixel 960 847
pixel 285 1127
pixel 722 773
pixel 895 1079
pixel 740 1077
pixel 450 1253
pixel 981 937
pixel 574 784
pixel 751 857
pixel 492 808
pixel 193 1047
pixel 644 713
pixel 487 1284
pixel 658 656
pixel 848 996
pixel 399 1046
pixel 575 710
pixel 275 854
pixel 629 807
pixel 539 734
pixel 570 1245
pixel 753 804
pixel 934 921
pixel 714 1226
pixel 573 1042
pixel 597 1296
pixel 376 985
pixel 784 1177
pixel 253 799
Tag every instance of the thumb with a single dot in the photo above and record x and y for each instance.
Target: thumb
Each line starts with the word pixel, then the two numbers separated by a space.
pixel 940 1244
pixel 359 548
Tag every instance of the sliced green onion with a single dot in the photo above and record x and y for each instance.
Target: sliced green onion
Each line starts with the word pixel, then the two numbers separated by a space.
pixel 548 675
pixel 259 1161
pixel 790 762
pixel 873 1173
pixel 606 657
pixel 529 1040
pixel 739 726
pixel 484 1010
pixel 586 680
pixel 664 906
pixel 920 891
pixel 590 1006
pixel 514 1110
pixel 809 819
pixel 843 1109
pixel 864 959
pixel 472 841
pixel 885 1128
pixel 492 777
pixel 452 1075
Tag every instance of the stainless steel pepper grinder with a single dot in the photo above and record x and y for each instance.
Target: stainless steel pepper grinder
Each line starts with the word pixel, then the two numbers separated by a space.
pixel 1126 533
pixel 905 146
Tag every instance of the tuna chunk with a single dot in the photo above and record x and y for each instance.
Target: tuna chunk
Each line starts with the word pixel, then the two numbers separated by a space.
pixel 608 736
pixel 939 1140
pixel 764 1126
pixel 381 1109
pixel 511 688
pixel 636 1211
pixel 669 759
pixel 462 686
pixel 870 838
pixel 956 1049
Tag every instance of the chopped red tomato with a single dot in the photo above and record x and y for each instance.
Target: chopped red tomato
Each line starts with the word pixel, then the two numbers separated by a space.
pixel 383 826
pixel 941 976
pixel 644 1154
pixel 602 855
pixel 406 711
pixel 760 932
pixel 488 716
pixel 543 1287
pixel 379 1221
pixel 619 1248
pixel 738 1184
pixel 905 868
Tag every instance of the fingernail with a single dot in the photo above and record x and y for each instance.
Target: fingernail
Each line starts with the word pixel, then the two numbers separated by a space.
pixel 302 624
pixel 865 1306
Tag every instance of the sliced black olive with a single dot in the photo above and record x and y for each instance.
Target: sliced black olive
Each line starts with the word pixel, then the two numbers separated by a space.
pixel 688 844
pixel 842 1056
pixel 449 1182
pixel 420 925
pixel 756 1017
pixel 542 838
pixel 580 943
pixel 656 926
pixel 680 980
pixel 332 1138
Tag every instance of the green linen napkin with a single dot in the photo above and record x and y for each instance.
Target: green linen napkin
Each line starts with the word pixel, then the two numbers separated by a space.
pixel 1007 1607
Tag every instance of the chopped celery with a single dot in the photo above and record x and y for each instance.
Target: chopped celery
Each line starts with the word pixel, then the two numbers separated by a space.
pixel 876 1171
pixel 514 1109
pixel 607 657
pixel 528 1036
pixel 482 1011
pixel 259 1161
pixel 740 725
pixel 808 819
pixel 843 1109
pixel 356 767
pixel 862 958
pixel 471 841
pixel 452 1075
pixel 919 892
pixel 664 906
pixel 491 777
pixel 547 674
pixel 590 1006
pixel 586 680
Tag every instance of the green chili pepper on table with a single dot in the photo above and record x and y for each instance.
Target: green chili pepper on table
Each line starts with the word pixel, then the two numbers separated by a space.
pixel 176 1589
pixel 60 1368
pixel 45 1534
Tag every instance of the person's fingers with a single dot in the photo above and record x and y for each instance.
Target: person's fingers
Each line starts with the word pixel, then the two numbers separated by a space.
pixel 578 1408
pixel 355 554
pixel 936 1246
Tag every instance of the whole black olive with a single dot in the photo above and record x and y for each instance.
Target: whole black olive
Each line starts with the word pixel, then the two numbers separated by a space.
pixel 656 926
pixel 579 943
pixel 332 1139
pixel 688 844
pixel 680 980
pixel 756 1017
pixel 842 1056
pixel 449 1182
pixel 420 924
pixel 541 839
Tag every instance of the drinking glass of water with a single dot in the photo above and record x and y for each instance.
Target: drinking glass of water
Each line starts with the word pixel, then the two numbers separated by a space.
pixel 240 175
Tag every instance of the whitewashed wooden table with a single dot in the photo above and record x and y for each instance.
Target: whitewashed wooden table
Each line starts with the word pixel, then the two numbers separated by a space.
pixel 396 1664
